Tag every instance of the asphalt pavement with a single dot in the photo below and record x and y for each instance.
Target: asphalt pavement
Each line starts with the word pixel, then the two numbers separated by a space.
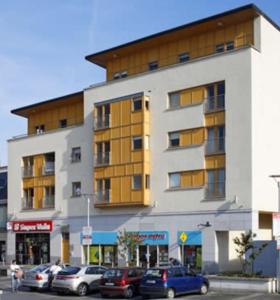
pixel 25 294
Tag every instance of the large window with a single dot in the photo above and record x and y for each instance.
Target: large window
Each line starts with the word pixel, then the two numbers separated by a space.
pixel 215 140
pixel 215 97
pixel 49 197
pixel 216 183
pixel 174 180
pixel 102 117
pixel 103 187
pixel 102 156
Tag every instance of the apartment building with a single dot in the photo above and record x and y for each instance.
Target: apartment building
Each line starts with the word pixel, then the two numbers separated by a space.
pixel 176 147
pixel 3 212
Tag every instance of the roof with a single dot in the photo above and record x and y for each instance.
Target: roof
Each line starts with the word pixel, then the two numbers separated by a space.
pixel 100 58
pixel 26 110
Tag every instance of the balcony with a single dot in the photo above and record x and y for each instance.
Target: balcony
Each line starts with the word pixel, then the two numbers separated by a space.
pixel 48 168
pixel 48 201
pixel 215 190
pixel 215 146
pixel 103 197
pixel 27 171
pixel 215 103
pixel 27 203
pixel 102 159
pixel 102 122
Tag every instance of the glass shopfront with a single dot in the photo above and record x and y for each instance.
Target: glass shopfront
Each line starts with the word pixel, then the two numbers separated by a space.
pixel 32 248
pixel 191 248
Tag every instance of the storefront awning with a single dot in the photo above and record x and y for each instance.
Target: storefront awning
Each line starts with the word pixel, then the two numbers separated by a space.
pixel 189 238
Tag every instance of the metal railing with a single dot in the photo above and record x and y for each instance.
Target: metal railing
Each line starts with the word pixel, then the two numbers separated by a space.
pixel 102 158
pixel 27 171
pixel 48 168
pixel 27 202
pixel 214 103
pixel 215 190
pixel 215 146
pixel 102 122
pixel 103 197
pixel 48 201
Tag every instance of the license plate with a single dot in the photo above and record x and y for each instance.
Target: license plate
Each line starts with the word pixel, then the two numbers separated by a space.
pixel 151 281
pixel 109 283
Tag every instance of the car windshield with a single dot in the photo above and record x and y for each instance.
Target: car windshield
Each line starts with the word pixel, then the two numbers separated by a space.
pixel 69 271
pixel 40 268
pixel 154 273
pixel 113 273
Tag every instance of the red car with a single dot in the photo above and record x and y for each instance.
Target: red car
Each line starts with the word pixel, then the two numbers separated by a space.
pixel 121 281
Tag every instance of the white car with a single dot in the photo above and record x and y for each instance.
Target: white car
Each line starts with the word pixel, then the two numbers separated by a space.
pixel 78 279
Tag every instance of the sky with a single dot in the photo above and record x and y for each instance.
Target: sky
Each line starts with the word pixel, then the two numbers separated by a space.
pixel 43 44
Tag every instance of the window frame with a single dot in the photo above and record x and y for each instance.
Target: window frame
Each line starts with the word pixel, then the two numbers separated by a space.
pixel 136 186
pixel 170 139
pixel 135 139
pixel 76 156
pixel 76 194
pixel 177 94
pixel 135 107
pixel 170 180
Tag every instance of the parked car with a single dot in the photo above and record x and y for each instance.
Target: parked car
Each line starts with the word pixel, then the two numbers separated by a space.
pixel 121 281
pixel 172 281
pixel 37 278
pixel 78 279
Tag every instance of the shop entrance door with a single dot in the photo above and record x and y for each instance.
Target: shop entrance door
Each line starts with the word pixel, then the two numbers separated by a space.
pixel 65 247
pixel 148 256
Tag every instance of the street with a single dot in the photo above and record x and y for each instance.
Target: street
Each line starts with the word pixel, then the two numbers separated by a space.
pixel 25 294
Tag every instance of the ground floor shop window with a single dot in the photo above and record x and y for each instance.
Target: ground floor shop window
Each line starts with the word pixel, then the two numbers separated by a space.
pixel 32 248
pixel 106 255
pixel 152 255
pixel 191 256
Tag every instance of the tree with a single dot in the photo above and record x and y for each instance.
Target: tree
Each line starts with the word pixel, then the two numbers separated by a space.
pixel 127 244
pixel 245 245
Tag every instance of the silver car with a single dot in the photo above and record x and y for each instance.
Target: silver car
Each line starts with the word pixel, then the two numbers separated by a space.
pixel 37 278
pixel 79 279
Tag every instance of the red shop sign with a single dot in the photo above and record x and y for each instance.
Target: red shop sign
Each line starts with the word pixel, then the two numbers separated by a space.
pixel 32 226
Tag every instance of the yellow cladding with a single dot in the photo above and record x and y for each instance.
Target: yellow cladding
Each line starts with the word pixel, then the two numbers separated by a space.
pixel 213 119
pixel 192 137
pixel 50 116
pixel 215 161
pixel 38 182
pixel 166 52
pixel 192 96
pixel 191 179
pixel 125 123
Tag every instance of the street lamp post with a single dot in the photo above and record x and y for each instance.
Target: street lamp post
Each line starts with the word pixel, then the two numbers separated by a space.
pixel 277 180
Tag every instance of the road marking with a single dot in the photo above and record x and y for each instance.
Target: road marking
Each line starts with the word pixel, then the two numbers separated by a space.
pixel 252 296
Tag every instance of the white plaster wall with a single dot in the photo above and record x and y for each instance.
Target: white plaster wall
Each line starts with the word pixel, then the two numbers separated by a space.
pixel 235 69
pixel 265 118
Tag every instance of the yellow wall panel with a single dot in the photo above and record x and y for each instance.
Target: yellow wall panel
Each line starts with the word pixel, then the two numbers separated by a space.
pixel 115 151
pixel 198 136
pixel 109 172
pixel 126 150
pixel 185 98
pixel 137 129
pixel 126 189
pixel 136 196
pixel 137 117
pixel 215 161
pixel 213 119
pixel 115 190
pixel 136 155
pixel 115 114
pixel 119 170
pixel 186 138
pixel 125 131
pixel 125 112
pixel 138 168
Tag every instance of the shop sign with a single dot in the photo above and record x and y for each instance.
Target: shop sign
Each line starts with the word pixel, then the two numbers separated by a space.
pixel 189 238
pixel 151 237
pixel 32 226
pixel 87 235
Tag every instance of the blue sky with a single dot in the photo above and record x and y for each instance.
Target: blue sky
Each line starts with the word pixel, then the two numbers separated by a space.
pixel 43 43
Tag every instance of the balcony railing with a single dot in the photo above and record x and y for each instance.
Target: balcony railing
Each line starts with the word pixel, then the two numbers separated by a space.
pixel 48 169
pixel 103 197
pixel 215 146
pixel 215 190
pixel 214 103
pixel 102 158
pixel 27 171
pixel 102 122
pixel 48 201
pixel 27 202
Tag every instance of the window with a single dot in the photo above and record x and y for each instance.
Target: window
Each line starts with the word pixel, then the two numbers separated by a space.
pixel 102 156
pixel 220 48
pixel 147 104
pixel 49 197
pixel 123 74
pixel 28 198
pixel 174 139
pixel 174 100
pixel 153 65
pixel 183 57
pixel 40 129
pixel 137 182
pixel 215 97
pixel 63 123
pixel 216 183
pixel 103 187
pixel 76 154
pixel 102 116
pixel 230 45
pixel 147 181
pixel 174 180
pixel 137 142
pixel 137 103
pixel 116 75
pixel 76 189
pixel 215 139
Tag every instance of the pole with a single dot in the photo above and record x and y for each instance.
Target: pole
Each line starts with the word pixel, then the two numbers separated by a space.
pixel 88 227
pixel 278 265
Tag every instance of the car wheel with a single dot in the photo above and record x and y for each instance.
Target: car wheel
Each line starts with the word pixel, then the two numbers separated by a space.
pixel 203 289
pixel 60 293
pixel 170 293
pixel 129 292
pixel 33 289
pixel 82 289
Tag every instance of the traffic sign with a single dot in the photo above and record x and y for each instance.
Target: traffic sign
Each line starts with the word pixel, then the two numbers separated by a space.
pixel 183 237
